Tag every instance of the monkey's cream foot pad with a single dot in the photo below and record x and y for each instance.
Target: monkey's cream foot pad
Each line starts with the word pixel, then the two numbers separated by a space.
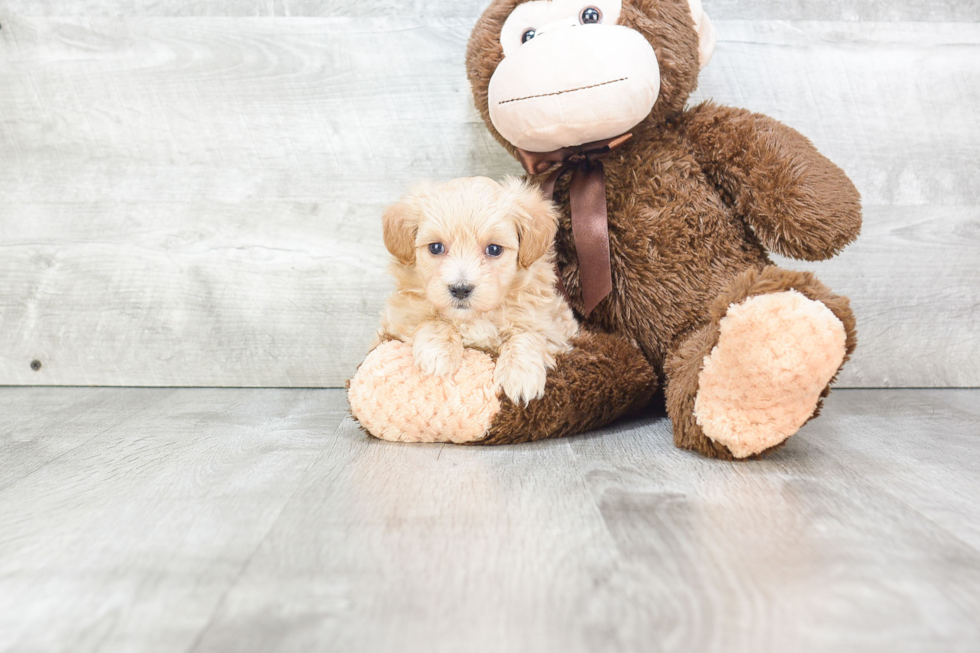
pixel 394 400
pixel 775 355
pixel 601 379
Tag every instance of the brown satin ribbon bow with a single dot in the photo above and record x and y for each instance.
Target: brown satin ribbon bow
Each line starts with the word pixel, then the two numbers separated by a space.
pixel 587 196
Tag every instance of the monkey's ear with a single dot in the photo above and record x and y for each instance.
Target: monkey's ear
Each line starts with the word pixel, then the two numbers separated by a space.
pixel 400 224
pixel 706 32
pixel 536 218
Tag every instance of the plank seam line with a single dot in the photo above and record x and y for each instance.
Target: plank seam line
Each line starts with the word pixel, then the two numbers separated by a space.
pixel 245 563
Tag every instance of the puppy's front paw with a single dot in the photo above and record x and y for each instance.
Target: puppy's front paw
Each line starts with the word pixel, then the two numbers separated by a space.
pixel 437 357
pixel 522 381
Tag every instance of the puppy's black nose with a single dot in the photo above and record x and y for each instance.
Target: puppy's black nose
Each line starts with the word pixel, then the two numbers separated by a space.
pixel 460 291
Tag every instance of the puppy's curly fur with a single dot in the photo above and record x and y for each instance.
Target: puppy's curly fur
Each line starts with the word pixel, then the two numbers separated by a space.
pixel 474 267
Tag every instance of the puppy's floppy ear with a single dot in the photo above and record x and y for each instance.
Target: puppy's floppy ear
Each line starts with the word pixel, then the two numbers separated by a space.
pixel 536 219
pixel 400 224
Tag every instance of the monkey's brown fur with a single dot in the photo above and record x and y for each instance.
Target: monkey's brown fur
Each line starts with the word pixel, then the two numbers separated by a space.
pixel 695 201
pixel 600 380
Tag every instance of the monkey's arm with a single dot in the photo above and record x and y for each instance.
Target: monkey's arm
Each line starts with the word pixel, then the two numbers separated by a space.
pixel 798 203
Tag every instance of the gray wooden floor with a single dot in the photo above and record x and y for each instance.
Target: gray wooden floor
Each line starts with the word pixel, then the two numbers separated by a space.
pixel 264 520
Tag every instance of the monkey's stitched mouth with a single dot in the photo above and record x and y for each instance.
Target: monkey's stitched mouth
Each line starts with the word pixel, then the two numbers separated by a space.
pixel 571 90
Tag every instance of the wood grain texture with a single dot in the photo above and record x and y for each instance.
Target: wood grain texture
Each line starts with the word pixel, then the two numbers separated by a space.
pixel 230 299
pixel 246 8
pixel 145 518
pixel 863 10
pixel 854 10
pixel 263 520
pixel 138 8
pixel 914 282
pixel 195 201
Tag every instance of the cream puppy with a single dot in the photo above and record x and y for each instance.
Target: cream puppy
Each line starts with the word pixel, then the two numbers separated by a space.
pixel 474 267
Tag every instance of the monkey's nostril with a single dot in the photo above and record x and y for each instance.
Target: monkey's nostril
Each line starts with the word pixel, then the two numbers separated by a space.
pixel 460 291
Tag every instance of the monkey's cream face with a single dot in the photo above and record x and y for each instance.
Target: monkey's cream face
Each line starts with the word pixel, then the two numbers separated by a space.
pixel 466 255
pixel 572 74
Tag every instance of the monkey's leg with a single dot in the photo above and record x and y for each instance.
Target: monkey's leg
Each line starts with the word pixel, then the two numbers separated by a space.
pixel 758 370
pixel 602 378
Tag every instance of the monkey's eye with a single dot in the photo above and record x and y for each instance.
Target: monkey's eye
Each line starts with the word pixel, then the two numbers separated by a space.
pixel 590 16
pixel 494 250
pixel 528 35
pixel 436 249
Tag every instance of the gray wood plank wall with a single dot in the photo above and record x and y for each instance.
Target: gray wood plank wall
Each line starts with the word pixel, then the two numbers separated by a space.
pixel 190 191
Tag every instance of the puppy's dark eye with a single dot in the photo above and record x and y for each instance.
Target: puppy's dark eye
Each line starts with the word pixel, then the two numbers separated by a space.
pixel 494 250
pixel 528 35
pixel 590 16
pixel 436 249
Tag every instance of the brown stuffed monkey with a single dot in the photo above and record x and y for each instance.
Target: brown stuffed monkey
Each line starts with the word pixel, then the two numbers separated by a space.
pixel 668 215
